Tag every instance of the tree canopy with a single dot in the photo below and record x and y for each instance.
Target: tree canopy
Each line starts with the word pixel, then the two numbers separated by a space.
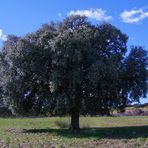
pixel 72 67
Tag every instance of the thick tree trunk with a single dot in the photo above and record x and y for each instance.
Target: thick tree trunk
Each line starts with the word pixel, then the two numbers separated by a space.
pixel 74 120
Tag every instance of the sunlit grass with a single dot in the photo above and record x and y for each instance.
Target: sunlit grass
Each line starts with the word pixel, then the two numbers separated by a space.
pixel 44 132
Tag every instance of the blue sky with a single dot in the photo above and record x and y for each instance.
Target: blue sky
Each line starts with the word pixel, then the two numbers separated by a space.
pixel 19 17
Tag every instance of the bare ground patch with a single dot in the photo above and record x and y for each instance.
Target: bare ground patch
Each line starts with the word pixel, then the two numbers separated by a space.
pixel 15 130
pixel 116 143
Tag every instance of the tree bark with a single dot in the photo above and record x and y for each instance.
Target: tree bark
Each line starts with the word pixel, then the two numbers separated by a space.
pixel 74 120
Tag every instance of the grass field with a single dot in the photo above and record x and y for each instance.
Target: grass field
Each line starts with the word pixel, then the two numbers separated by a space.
pixel 103 132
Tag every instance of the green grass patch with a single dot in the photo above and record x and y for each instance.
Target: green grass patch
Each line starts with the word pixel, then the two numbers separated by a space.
pixel 95 132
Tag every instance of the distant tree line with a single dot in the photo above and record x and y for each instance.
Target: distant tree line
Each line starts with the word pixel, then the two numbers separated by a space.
pixel 72 67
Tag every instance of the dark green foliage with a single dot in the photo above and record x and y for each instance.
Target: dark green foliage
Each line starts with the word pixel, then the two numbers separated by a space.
pixel 5 112
pixel 28 62
pixel 133 77
pixel 137 74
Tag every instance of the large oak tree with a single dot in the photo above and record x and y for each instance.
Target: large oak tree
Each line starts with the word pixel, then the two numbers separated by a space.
pixel 72 67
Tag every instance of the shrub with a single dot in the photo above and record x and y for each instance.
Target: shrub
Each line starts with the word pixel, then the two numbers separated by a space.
pixel 85 125
pixel 63 123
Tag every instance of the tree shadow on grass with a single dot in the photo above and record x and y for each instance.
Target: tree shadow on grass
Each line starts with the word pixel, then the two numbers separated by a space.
pixel 128 132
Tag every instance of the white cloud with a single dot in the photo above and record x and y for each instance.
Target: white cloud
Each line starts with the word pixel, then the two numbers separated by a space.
pixel 133 16
pixel 132 39
pixel 59 14
pixel 2 36
pixel 96 14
